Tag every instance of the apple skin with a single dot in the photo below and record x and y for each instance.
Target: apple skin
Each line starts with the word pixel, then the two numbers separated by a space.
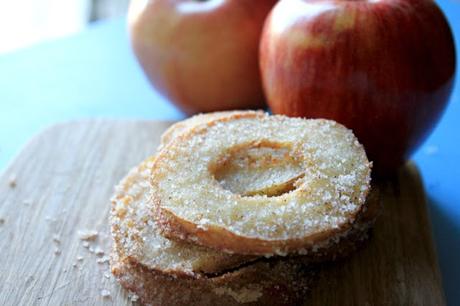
pixel 384 68
pixel 202 55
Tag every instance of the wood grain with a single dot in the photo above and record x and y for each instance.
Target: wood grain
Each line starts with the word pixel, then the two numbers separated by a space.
pixel 61 184
pixel 398 266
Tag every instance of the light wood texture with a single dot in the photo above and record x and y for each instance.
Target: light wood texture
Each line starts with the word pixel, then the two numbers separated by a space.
pixel 398 266
pixel 61 184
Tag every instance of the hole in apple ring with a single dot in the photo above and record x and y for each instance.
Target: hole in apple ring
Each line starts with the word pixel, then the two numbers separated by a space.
pixel 260 168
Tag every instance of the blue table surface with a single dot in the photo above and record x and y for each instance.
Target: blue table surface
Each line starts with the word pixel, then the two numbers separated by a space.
pixel 94 74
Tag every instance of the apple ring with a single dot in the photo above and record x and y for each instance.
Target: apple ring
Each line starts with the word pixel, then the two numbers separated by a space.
pixel 318 205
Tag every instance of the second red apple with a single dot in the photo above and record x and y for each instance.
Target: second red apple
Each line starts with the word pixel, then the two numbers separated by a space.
pixel 383 68
pixel 202 55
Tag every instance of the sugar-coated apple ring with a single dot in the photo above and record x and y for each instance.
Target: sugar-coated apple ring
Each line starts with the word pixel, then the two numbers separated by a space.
pixel 319 205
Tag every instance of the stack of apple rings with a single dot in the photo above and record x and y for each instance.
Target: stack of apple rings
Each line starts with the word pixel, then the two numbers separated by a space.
pixel 196 223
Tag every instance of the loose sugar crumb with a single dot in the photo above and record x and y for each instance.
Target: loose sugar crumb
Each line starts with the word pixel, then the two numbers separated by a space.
pixel 12 181
pixel 85 244
pixel 105 293
pixel 103 260
pixel 134 298
pixel 57 252
pixel 88 235
pixel 99 251
pixel 56 239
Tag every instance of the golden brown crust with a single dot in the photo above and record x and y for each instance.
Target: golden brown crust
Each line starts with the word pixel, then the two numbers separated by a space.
pixel 266 282
pixel 324 246
pixel 213 234
pixel 277 281
pixel 344 245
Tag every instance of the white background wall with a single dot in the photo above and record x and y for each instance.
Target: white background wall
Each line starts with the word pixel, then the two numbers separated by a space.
pixel 25 22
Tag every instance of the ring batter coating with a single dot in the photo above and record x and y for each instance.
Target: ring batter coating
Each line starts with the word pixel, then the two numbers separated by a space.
pixel 321 205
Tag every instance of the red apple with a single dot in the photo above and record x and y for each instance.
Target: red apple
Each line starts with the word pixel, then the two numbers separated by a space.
pixel 383 68
pixel 202 55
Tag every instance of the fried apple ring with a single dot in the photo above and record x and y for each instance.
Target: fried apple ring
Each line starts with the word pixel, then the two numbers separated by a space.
pixel 317 205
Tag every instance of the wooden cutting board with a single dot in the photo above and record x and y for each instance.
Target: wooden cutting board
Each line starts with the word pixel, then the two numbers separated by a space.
pixel 61 183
